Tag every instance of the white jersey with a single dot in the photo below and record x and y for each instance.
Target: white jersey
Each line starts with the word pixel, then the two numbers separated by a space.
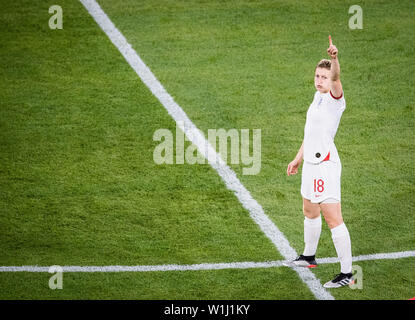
pixel 323 118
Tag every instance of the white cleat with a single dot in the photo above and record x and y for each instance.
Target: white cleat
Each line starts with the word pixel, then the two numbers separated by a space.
pixel 341 280
pixel 302 261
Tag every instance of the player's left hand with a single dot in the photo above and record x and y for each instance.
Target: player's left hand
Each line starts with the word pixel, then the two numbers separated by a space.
pixel 332 50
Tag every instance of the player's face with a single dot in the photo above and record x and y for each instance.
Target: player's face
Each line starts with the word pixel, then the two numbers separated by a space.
pixel 321 80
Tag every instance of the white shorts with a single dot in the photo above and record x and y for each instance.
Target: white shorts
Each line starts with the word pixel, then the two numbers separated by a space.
pixel 321 182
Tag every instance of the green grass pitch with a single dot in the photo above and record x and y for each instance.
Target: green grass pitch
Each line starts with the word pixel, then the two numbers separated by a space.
pixel 78 184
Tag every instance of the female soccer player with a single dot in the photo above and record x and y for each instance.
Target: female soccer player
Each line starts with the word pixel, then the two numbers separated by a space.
pixel 320 181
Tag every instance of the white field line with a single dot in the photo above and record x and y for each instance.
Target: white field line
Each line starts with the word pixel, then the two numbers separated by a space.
pixel 375 256
pixel 201 266
pixel 197 138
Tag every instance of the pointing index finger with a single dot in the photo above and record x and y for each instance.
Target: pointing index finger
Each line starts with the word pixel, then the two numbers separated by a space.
pixel 331 43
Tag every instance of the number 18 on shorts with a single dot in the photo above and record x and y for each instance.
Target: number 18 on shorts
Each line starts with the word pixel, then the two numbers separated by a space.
pixel 321 182
pixel 318 185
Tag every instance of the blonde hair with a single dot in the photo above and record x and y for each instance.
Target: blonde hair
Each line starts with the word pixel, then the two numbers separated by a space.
pixel 324 63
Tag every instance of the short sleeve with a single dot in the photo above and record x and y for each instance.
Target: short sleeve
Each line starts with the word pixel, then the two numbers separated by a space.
pixel 338 102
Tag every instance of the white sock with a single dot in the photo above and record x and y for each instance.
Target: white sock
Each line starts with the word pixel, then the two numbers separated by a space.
pixel 342 243
pixel 312 231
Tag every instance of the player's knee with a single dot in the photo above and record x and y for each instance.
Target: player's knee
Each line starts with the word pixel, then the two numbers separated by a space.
pixel 333 221
pixel 311 212
pixel 332 214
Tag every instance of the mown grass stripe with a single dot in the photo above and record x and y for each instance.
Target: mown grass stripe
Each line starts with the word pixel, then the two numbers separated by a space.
pixel 197 138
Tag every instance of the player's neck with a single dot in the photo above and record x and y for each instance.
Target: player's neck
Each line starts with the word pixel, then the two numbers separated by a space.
pixel 323 91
